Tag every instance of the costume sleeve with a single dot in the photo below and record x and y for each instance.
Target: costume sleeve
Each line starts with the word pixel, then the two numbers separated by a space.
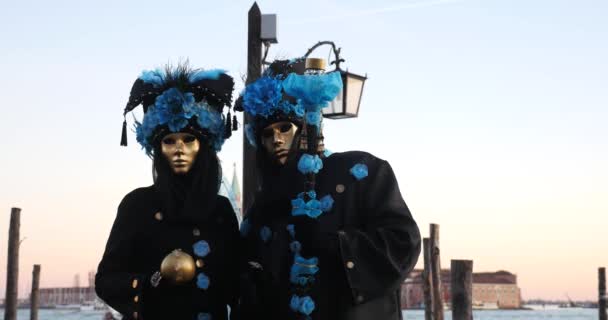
pixel 378 254
pixel 115 283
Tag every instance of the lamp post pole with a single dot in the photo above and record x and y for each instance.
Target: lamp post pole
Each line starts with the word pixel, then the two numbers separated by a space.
pixel 254 70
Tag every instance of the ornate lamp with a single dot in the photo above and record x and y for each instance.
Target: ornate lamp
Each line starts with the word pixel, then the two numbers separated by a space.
pixel 346 104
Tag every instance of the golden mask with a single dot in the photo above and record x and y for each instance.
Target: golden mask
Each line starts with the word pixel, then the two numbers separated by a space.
pixel 180 150
pixel 277 139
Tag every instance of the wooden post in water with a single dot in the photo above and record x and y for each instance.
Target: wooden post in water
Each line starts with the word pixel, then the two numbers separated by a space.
pixel 436 273
pixel 462 289
pixel 12 268
pixel 35 295
pixel 601 305
pixel 427 280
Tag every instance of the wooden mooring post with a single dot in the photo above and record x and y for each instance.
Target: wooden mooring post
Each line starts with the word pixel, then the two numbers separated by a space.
pixel 601 305
pixel 12 268
pixel 35 295
pixel 427 280
pixel 462 289
pixel 436 273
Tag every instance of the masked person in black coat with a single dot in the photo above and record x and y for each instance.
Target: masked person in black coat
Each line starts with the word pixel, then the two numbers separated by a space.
pixel 328 235
pixel 173 250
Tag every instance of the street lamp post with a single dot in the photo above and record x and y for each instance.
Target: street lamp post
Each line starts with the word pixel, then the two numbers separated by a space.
pixel 262 30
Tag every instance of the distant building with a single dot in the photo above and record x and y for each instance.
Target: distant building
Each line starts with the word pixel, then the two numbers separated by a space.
pixel 232 191
pixel 51 297
pixel 493 290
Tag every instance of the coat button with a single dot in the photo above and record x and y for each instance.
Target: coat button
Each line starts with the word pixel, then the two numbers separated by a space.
pixel 350 264
pixel 158 216
pixel 136 299
pixel 200 263
pixel 359 298
pixel 135 315
pixel 196 232
pixel 339 188
pixel 134 283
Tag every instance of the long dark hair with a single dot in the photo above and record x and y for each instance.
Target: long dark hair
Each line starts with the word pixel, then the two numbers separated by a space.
pixel 188 197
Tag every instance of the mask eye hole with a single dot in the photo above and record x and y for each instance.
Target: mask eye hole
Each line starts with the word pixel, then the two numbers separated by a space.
pixel 189 139
pixel 285 127
pixel 168 141
pixel 267 133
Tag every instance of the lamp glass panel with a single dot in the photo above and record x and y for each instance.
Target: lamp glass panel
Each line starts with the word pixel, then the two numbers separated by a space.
pixel 335 106
pixel 355 87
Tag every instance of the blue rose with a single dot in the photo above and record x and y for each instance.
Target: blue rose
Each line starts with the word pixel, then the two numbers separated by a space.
pixel 203 316
pixel 175 108
pixel 202 281
pixel 310 164
pixel 311 194
pixel 311 208
pixel 327 203
pixel 210 120
pixel 359 171
pixel 154 77
pixel 201 248
pixel 303 305
pixel 291 230
pixel 295 246
pixel 265 233
pixel 263 96
pixel 313 118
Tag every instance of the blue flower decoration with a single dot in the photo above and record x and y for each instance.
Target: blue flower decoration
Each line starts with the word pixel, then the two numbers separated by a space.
pixel 205 74
pixel 262 97
pixel 303 268
pixel 174 108
pixel 265 233
pixel 154 77
pixel 203 316
pixel 359 171
pixel 245 227
pixel 313 118
pixel 311 194
pixel 202 281
pixel 312 208
pixel 209 119
pixel 291 230
pixel 304 305
pixel 201 248
pixel 295 246
pixel 327 153
pixel 313 91
pixel 310 164
pixel 327 203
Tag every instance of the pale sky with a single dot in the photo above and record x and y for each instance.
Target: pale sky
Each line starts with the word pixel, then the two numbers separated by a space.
pixel 492 113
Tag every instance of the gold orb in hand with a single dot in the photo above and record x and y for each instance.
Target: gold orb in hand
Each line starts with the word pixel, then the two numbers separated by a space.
pixel 177 267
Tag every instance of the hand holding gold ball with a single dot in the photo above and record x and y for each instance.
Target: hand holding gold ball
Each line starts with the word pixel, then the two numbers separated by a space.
pixel 177 268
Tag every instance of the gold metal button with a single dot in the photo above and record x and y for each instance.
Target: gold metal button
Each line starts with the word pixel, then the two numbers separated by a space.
pixel 200 263
pixel 135 315
pixel 339 188
pixel 196 232
pixel 350 264
pixel 158 216
pixel 134 283
pixel 136 299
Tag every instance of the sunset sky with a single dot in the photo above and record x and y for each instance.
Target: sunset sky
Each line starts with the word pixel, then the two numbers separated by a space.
pixel 493 115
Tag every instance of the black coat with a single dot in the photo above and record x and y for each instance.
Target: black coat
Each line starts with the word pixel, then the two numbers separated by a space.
pixel 141 237
pixel 366 244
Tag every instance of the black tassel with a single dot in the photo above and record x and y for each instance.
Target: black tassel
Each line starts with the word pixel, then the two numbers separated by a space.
pixel 235 124
pixel 228 128
pixel 123 139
